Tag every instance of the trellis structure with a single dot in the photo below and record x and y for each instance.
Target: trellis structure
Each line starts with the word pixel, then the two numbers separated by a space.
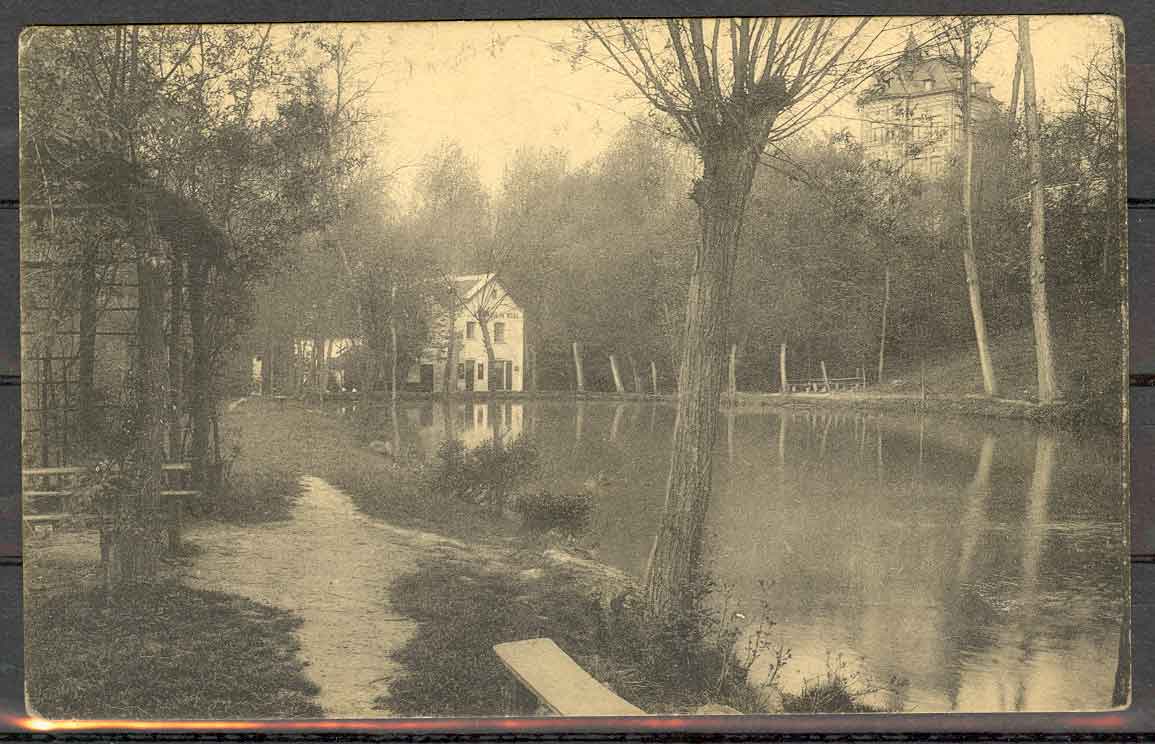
pixel 60 411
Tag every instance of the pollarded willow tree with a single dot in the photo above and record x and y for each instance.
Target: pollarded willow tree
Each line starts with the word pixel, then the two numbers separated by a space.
pixel 730 86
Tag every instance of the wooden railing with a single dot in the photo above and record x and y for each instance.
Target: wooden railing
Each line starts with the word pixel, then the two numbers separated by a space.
pixel 832 385
pixel 48 492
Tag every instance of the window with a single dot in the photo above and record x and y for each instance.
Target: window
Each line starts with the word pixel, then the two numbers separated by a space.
pixel 480 371
pixel 499 333
pixel 469 327
pixel 927 84
pixel 461 371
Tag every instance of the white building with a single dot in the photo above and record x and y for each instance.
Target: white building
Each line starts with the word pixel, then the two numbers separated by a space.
pixel 912 114
pixel 479 306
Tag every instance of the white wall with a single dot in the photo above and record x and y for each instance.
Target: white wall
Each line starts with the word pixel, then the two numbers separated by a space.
pixel 472 350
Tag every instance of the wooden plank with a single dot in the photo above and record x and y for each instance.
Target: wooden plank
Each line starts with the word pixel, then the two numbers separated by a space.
pixel 38 472
pixel 44 494
pixel 558 682
pixel 58 517
pixel 41 472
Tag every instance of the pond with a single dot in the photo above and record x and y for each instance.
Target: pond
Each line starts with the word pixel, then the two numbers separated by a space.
pixel 981 561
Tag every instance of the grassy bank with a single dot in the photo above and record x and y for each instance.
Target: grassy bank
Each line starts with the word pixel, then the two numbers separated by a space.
pixel 163 652
pixel 276 443
pixel 464 608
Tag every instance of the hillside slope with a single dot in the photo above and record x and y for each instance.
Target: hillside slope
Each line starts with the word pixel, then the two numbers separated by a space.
pixel 1089 356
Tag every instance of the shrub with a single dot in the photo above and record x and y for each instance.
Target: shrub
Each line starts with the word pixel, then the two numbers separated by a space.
pixel 841 690
pixel 486 473
pixel 544 510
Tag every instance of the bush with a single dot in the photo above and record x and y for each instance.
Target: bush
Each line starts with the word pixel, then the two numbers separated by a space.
pixel 544 510
pixel 256 495
pixel 484 474
pixel 840 690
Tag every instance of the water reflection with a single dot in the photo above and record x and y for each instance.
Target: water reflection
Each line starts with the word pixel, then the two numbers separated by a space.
pixel 982 561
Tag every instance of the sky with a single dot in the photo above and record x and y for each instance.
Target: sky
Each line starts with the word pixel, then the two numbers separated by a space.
pixel 494 86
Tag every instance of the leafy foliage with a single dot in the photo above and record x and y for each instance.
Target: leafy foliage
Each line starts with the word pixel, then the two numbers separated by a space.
pixel 485 474
pixel 544 510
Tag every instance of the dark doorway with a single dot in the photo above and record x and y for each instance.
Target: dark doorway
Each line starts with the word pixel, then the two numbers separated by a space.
pixel 427 377
pixel 499 374
pixel 469 372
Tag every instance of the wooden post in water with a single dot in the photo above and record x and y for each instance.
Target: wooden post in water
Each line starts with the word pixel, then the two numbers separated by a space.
pixel 654 375
pixel 616 424
pixel 782 369
pixel 617 376
pixel 922 380
pixel 577 365
pixel 825 377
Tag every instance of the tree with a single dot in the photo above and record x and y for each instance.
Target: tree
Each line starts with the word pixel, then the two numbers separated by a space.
pixel 960 40
pixel 453 223
pixel 727 103
pixel 175 169
pixel 1040 315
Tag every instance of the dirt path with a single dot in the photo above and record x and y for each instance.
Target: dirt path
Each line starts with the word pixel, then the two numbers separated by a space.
pixel 332 566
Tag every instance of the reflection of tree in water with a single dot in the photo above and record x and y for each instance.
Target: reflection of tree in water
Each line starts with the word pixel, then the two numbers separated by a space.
pixel 1034 538
pixel 946 542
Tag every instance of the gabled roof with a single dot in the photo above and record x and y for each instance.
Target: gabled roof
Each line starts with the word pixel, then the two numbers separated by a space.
pixel 467 285
pixel 910 73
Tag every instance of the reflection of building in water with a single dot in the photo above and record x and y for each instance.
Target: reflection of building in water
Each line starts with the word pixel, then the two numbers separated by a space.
pixel 474 423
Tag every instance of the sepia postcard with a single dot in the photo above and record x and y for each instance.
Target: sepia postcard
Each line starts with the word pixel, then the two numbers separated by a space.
pixel 670 367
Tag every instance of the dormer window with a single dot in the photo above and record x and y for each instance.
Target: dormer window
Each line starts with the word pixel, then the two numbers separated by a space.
pixel 927 84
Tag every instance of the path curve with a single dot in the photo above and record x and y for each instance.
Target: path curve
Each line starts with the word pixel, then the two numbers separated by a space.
pixel 332 566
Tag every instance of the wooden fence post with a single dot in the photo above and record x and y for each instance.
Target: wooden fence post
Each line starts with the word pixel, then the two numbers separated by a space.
pixel 654 375
pixel 617 377
pixel 825 377
pixel 782 368
pixel 733 373
pixel 577 364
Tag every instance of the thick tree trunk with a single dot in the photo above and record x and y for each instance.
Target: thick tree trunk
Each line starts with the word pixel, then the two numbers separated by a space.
pixel 136 540
pixel 86 344
pixel 974 291
pixel 675 564
pixel 1040 315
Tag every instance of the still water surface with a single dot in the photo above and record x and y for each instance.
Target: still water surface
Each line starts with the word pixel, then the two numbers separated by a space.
pixel 984 562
